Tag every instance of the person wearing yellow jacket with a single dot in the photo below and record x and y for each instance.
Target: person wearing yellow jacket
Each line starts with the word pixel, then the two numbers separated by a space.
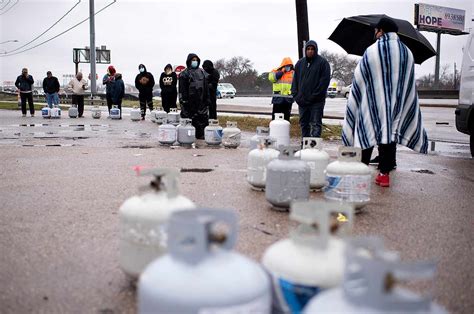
pixel 282 77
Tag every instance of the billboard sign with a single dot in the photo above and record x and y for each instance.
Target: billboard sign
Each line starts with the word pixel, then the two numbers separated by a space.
pixel 435 18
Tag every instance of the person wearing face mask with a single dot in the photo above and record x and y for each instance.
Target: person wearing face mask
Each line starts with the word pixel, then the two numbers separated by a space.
pixel 194 94
pixel 77 86
pixel 168 82
pixel 145 82
pixel 213 80
pixel 282 77
pixel 24 83
pixel 108 81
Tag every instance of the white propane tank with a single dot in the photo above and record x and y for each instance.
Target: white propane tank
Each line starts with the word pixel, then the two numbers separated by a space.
pixel 73 112
pixel 312 259
pixel 136 114
pixel 316 158
pixel 369 285
pixel 213 133
pixel 143 219
pixel 173 116
pixel 257 162
pixel 161 116
pixel 280 130
pixel 46 112
pixel 231 135
pixel 115 113
pixel 288 179
pixel 167 134
pixel 153 115
pixel 200 273
pixel 186 132
pixel 262 132
pixel 348 178
pixel 96 113
pixel 55 112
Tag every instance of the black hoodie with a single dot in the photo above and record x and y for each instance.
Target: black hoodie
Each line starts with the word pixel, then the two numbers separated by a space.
pixel 193 90
pixel 145 90
pixel 168 82
pixel 311 79
pixel 214 75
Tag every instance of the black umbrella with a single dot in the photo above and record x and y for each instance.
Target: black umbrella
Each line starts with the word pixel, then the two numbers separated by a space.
pixel 356 33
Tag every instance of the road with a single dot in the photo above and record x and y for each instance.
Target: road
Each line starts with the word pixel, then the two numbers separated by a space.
pixel 61 185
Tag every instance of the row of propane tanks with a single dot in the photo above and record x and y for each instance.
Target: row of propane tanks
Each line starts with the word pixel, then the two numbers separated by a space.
pixel 185 264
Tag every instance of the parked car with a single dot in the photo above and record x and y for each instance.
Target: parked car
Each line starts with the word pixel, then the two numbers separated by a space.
pixel 464 111
pixel 225 90
pixel 346 90
pixel 332 92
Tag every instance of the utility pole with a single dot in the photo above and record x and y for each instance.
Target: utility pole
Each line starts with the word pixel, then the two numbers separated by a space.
pixel 438 50
pixel 92 46
pixel 302 25
pixel 455 78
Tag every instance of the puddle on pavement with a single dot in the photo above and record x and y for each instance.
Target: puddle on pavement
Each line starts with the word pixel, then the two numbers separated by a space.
pixel 138 146
pixel 425 171
pixel 197 170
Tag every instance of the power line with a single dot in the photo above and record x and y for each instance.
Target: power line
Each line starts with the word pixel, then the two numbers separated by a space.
pixel 10 7
pixel 34 39
pixel 5 5
pixel 54 37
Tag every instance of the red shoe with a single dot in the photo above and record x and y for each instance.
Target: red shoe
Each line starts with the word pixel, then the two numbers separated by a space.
pixel 383 180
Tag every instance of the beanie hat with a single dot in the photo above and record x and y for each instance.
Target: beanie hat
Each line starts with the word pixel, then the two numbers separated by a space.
pixel 387 25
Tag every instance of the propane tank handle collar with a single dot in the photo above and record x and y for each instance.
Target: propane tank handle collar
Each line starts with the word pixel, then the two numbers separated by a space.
pixel 165 179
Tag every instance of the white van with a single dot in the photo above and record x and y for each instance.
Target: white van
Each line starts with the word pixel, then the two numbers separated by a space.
pixel 464 111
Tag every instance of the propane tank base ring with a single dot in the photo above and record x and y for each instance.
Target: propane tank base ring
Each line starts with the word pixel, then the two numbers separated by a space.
pixel 280 208
pixel 254 188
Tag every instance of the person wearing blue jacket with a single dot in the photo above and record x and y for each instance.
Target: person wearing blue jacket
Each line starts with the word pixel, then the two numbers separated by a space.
pixel 118 91
pixel 309 89
pixel 24 83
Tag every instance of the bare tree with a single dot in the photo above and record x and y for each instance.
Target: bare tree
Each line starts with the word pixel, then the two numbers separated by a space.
pixel 342 66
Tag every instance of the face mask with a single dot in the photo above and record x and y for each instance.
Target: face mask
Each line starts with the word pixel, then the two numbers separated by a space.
pixel 287 69
pixel 194 64
pixel 142 70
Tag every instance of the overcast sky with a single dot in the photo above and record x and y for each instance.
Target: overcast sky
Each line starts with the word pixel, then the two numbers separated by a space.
pixel 159 32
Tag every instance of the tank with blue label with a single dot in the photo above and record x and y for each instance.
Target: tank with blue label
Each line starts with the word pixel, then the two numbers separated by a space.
pixel 213 133
pixel 46 112
pixel 371 283
pixel 115 113
pixel 312 259
pixel 201 273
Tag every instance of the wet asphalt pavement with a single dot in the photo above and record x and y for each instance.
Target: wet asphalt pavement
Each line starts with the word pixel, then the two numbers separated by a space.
pixel 61 186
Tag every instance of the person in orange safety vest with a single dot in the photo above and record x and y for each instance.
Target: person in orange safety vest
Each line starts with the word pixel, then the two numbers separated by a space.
pixel 282 77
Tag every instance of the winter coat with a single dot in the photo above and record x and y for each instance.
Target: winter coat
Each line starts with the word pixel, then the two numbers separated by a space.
pixel 75 86
pixel 383 104
pixel 51 85
pixel 24 84
pixel 108 81
pixel 213 75
pixel 145 82
pixel 168 82
pixel 118 89
pixel 311 79
pixel 193 90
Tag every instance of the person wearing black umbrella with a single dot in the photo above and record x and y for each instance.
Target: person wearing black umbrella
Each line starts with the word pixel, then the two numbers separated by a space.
pixel 383 107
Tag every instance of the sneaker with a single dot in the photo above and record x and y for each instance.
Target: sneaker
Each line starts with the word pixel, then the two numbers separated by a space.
pixel 383 180
pixel 143 118
pixel 375 161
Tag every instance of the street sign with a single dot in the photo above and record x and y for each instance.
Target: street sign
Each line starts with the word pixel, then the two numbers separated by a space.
pixel 179 69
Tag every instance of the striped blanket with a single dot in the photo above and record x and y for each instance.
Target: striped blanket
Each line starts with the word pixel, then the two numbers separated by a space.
pixel 383 103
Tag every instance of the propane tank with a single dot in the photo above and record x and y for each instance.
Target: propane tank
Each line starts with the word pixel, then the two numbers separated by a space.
pixel 370 281
pixel 231 135
pixel 46 112
pixel 280 130
pixel 186 132
pixel 73 112
pixel 200 273
pixel 316 158
pixel 136 114
pixel 262 132
pixel 312 259
pixel 348 178
pixel 96 113
pixel 213 133
pixel 167 134
pixel 257 162
pixel 153 115
pixel 173 116
pixel 114 113
pixel 288 179
pixel 142 221
pixel 160 116
pixel 55 112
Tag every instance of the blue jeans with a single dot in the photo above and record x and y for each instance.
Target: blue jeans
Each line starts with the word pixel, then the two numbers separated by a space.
pixel 52 99
pixel 311 119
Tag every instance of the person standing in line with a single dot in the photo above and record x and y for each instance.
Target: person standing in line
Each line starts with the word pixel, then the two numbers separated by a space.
pixel 281 78
pixel 309 89
pixel 213 80
pixel 118 91
pixel 77 86
pixel 168 83
pixel 108 80
pixel 145 82
pixel 194 94
pixel 383 107
pixel 24 83
pixel 51 89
